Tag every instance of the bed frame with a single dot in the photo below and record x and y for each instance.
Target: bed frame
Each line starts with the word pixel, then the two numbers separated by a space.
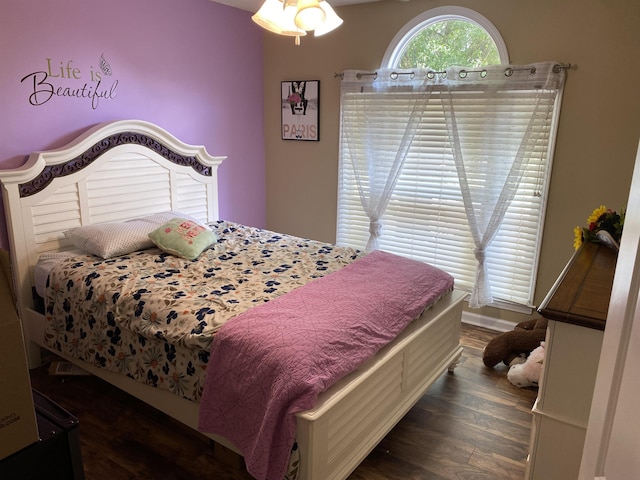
pixel 125 169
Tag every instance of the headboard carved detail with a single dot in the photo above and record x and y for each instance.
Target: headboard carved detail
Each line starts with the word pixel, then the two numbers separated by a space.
pixel 88 156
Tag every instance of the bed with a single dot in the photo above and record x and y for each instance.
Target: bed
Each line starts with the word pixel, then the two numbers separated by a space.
pixel 122 170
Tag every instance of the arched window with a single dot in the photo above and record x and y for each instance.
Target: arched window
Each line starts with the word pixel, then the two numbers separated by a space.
pixel 446 155
pixel 445 37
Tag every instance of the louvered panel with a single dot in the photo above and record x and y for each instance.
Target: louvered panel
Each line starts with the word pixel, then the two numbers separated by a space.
pixel 127 181
pixel 126 174
pixel 145 178
pixel 390 382
pixel 48 230
pixel 60 212
pixel 64 209
pixel 121 211
pixel 422 362
pixel 103 192
pixel 56 245
pixel 192 197
pixel 134 197
pixel 364 408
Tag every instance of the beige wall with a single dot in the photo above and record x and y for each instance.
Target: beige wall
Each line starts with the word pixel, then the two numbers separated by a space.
pixel 599 126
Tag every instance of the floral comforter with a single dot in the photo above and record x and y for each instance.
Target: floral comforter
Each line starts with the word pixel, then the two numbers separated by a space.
pixel 152 316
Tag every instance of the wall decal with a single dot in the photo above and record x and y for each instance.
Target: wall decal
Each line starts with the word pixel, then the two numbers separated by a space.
pixel 104 65
pixel 300 110
pixel 63 79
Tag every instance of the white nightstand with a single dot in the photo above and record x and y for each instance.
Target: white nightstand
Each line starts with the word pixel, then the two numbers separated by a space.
pixel 576 308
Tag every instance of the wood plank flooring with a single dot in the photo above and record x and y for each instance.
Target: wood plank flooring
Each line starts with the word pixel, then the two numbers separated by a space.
pixel 472 424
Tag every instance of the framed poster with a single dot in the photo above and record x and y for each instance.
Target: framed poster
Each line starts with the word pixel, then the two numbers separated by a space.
pixel 300 110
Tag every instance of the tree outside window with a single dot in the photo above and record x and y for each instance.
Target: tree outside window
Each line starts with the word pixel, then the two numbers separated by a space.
pixel 447 43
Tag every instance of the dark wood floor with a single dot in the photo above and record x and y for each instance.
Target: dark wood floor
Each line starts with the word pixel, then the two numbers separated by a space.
pixel 472 424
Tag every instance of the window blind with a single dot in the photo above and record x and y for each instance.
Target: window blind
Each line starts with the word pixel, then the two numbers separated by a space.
pixel 426 218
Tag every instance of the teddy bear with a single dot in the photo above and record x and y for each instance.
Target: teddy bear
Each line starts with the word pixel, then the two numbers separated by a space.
pixel 527 374
pixel 514 346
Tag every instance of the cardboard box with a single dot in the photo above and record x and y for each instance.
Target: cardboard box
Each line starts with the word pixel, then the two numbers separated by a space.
pixel 57 456
pixel 18 427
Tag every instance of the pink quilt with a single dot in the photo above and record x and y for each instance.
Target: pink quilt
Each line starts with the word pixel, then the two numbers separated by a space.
pixel 274 360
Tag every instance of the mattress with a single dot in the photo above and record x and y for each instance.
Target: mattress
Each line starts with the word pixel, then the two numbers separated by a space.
pixel 152 316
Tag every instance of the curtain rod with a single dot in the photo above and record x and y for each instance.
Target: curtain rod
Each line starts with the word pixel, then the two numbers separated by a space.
pixel 463 73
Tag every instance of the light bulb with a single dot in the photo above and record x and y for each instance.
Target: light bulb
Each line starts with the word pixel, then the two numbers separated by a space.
pixel 310 15
pixel 331 22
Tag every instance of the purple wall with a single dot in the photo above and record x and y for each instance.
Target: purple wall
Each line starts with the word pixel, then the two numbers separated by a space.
pixel 193 67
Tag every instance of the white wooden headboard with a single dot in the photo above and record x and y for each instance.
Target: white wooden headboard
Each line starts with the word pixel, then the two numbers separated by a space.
pixel 114 171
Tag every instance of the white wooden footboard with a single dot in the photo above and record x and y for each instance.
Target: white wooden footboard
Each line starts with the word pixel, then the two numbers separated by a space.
pixel 355 414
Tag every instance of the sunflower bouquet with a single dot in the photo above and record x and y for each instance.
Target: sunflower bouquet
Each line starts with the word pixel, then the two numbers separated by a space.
pixel 603 225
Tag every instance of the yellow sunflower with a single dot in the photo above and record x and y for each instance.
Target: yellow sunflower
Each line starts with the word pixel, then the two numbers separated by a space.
pixel 577 239
pixel 597 213
pixel 601 218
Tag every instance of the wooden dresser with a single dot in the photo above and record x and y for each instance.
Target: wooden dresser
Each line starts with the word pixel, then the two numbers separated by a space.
pixel 576 308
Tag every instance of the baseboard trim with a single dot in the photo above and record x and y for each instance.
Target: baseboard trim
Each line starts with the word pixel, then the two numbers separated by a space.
pixel 487 322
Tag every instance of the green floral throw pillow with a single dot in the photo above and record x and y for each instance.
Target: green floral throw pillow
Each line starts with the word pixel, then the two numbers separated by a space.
pixel 183 238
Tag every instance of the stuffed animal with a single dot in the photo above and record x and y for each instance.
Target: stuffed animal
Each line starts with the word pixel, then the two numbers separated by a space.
pixel 528 373
pixel 514 346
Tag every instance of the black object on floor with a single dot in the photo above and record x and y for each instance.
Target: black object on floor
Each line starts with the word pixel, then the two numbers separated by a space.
pixel 56 456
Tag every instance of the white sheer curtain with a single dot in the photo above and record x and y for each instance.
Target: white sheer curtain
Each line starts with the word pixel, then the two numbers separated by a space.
pixel 377 148
pixel 496 119
pixel 445 153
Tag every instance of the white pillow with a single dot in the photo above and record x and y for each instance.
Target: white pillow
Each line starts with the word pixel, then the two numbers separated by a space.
pixel 46 262
pixel 107 240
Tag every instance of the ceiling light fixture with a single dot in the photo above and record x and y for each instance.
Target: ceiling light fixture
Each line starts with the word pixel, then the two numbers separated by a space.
pixel 295 18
